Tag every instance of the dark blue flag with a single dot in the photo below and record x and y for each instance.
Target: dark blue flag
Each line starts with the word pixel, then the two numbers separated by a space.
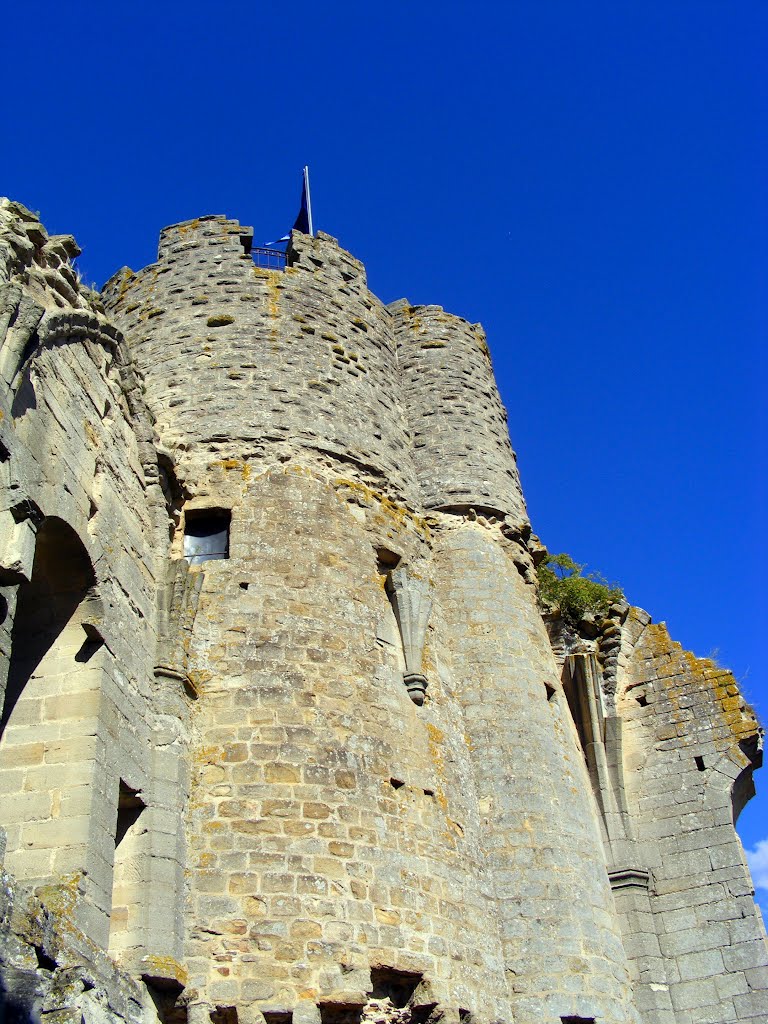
pixel 304 220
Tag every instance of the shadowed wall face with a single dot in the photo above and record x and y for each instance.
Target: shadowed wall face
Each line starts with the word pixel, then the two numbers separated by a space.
pixel 46 606
pixel 52 694
pixel 562 946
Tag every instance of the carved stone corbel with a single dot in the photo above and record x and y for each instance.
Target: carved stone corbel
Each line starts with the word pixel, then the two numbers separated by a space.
pixel 19 538
pixel 177 607
pixel 412 603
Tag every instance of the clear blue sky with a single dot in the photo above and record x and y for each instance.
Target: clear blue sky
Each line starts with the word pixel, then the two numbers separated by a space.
pixel 587 179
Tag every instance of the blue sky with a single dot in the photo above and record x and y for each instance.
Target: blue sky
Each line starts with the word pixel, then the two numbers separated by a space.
pixel 585 179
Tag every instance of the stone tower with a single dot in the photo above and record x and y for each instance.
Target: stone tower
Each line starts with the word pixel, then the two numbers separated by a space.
pixel 287 737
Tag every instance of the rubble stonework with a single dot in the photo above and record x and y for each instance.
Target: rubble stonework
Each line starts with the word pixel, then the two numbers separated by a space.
pixel 345 770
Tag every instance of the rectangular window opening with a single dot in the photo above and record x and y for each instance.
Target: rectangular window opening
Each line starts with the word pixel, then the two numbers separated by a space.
pixel 206 534
pixel 340 1013
pixel 278 1016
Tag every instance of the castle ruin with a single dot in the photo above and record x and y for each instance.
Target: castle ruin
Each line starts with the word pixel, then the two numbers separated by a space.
pixel 286 736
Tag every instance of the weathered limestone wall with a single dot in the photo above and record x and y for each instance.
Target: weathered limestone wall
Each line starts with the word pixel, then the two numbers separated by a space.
pixel 461 446
pixel 82 518
pixel 670 747
pixel 223 779
pixel 332 830
pixel 691 746
pixel 243 362
pixel 562 946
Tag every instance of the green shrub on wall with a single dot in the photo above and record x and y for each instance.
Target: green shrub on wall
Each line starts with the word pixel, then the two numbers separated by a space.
pixel 565 589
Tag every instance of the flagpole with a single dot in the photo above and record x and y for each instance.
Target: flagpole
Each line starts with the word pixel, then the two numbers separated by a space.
pixel 309 201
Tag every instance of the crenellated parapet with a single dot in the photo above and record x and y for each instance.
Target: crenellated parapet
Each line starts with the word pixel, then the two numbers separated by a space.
pixel 242 362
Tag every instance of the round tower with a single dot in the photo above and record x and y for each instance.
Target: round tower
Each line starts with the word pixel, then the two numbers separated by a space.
pixel 240 361
pixel 461 447
pixel 351 851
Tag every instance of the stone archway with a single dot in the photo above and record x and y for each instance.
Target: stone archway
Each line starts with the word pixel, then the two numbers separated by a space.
pixel 46 747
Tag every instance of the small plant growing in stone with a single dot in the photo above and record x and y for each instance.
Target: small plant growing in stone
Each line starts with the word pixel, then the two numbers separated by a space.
pixel 565 589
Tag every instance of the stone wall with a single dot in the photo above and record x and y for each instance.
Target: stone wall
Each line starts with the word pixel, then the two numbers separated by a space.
pixel 461 446
pixel 691 747
pixel 85 528
pixel 338 772
pixel 247 363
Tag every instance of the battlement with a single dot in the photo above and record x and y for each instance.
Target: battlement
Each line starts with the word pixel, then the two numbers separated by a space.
pixel 311 359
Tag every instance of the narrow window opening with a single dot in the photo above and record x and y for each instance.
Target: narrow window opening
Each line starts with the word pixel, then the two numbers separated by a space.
pixel 127 888
pixel 550 690
pixel 577 1020
pixel 576 698
pixel 278 1016
pixel 429 792
pixel 399 986
pixel 244 586
pixel 340 1013
pixel 700 763
pixel 396 783
pixel 206 535
pixel 642 700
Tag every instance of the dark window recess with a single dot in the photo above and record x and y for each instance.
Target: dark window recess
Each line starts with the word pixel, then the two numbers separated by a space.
pixel 700 763
pixel 165 995
pixel 206 535
pixel 399 986
pixel 129 807
pixel 578 1020
pixel 386 561
pixel 224 1015
pixel 340 1013
pixel 278 1016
